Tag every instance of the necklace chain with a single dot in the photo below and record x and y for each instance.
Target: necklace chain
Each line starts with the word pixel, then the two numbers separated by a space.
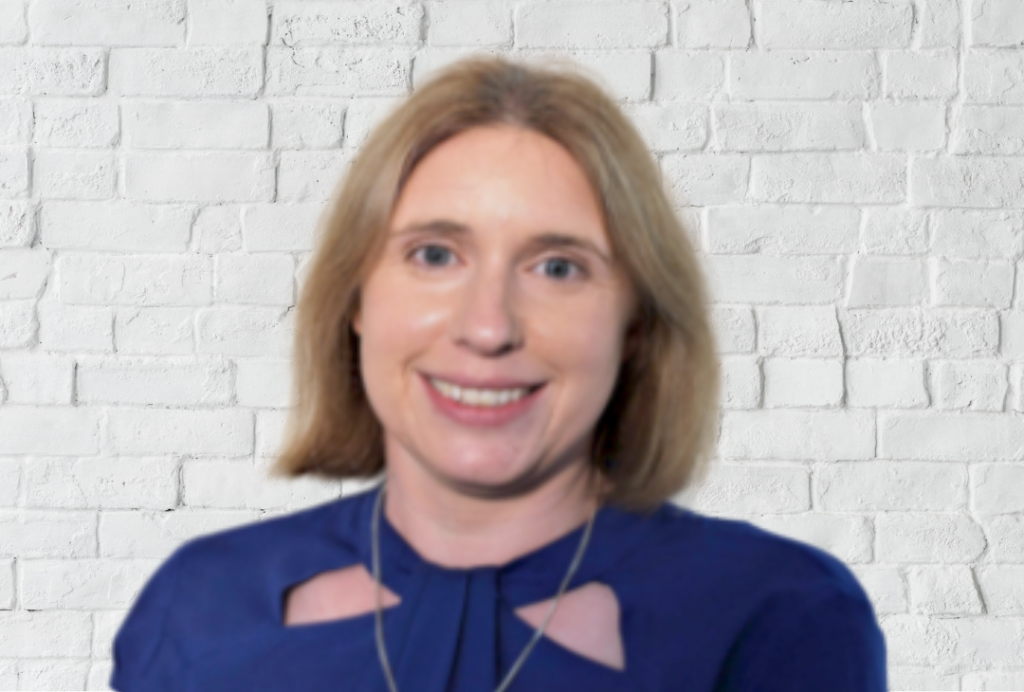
pixel 538 633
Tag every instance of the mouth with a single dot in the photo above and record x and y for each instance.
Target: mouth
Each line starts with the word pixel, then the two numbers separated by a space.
pixel 480 397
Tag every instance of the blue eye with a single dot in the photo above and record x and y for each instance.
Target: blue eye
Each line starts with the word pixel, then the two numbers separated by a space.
pixel 560 268
pixel 433 255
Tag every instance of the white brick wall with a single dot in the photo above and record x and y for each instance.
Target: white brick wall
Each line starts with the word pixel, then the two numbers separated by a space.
pixel 852 174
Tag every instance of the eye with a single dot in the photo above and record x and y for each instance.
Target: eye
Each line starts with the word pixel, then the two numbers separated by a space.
pixel 433 255
pixel 561 268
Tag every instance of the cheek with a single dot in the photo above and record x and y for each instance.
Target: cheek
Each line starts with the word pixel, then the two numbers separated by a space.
pixel 586 342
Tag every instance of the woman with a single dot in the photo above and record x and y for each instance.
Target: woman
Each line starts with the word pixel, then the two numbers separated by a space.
pixel 505 318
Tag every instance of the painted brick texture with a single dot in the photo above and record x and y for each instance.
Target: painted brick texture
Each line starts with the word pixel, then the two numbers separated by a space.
pixel 852 174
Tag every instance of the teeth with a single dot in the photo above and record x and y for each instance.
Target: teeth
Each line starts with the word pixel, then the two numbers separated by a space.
pixel 478 397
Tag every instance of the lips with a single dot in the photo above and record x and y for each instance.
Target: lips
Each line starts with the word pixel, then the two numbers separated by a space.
pixel 489 403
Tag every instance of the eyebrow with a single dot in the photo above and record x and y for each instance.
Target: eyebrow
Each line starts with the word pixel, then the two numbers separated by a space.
pixel 546 240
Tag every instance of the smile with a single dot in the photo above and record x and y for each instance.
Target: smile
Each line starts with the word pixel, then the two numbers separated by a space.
pixel 468 396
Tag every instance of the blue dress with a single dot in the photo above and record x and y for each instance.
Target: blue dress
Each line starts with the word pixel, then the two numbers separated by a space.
pixel 706 605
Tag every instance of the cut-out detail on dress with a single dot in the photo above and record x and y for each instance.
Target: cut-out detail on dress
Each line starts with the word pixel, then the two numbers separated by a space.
pixel 586 622
pixel 335 595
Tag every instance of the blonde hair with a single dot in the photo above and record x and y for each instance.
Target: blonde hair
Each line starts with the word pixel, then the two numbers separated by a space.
pixel 658 430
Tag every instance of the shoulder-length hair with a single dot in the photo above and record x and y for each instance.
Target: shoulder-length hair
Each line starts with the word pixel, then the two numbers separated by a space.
pixel 660 425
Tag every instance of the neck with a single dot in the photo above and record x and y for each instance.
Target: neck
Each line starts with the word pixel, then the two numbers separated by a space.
pixel 456 530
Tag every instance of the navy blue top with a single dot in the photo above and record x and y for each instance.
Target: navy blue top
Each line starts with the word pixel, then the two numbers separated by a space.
pixel 707 605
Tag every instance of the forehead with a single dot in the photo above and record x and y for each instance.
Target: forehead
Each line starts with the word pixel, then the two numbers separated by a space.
pixel 501 176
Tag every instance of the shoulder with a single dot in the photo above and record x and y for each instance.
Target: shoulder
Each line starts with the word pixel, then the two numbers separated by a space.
pixel 224 585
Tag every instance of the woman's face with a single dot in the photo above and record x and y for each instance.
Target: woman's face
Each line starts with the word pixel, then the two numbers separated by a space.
pixel 492 328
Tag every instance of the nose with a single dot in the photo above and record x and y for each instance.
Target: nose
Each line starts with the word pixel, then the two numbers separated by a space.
pixel 486 322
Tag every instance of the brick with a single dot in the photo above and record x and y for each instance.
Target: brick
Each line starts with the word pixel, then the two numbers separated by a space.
pixel 939 23
pixel 815 24
pixel 921 74
pixel 9 673
pixel 72 328
pixel 37 378
pixel 949 436
pixel 10 482
pixel 99 675
pixel 13 172
pixel 885 383
pixel 741 383
pixel 106 623
pixel 217 229
pixel 115 225
pixel 52 673
pixel 6 584
pixel 969 234
pixel 17 224
pixel 47 633
pixel 107 22
pixel 997 130
pixel 765 279
pixel 172 382
pixel 995 488
pixel 305 176
pixel 908 126
pixel 1012 330
pixel 81 584
pixel 909 537
pixel 1006 537
pixel 799 331
pixel 42 71
pixel 352 23
pixel 199 177
pixel 338 71
pixel 697 76
pixel 993 681
pixel 469 24
pixel 902 332
pixel 833 75
pixel 76 123
pixel 134 279
pixel 307 124
pixel 847 537
pixel 49 430
pixel 828 178
pixel 734 329
pixel 156 331
pixel 17 324
pixel 796 382
pixel 886 281
pixel 797 435
pixel 885 587
pixel 227 22
pixel 24 273
pixel 158 534
pixel 671 126
pixel 749 490
pixel 994 76
pixel 702 179
pixel 624 75
pixel 1002 587
pixel 782 230
pixel 967 283
pixel 145 431
pixel 195 125
pixel 895 231
pixel 943 590
pixel 592 25
pixel 364 114
pixel 13 29
pixel 195 72
pixel 890 486
pixel 73 174
pixel 245 331
pixel 233 484
pixel 788 127
pixel 15 117
pixel 150 483
pixel 997 23
pixel 261 279
pixel 969 385
pixel 280 227
pixel 28 534
pixel 712 24
pixel 270 427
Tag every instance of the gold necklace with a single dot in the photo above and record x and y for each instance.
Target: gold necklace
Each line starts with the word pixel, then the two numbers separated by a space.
pixel 382 650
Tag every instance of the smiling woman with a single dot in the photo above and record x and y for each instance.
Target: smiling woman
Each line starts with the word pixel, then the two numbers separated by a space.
pixel 504 319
